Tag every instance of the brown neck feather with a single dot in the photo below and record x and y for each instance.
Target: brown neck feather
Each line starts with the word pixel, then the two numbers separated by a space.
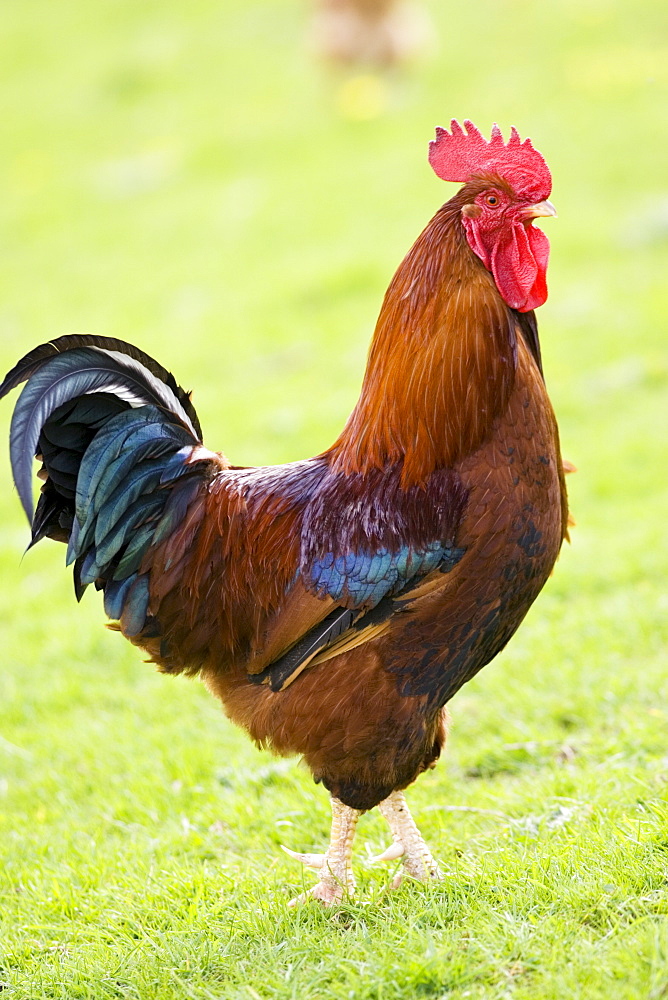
pixel 441 364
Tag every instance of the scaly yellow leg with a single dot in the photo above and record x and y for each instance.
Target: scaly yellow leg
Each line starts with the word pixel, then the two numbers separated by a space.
pixel 336 873
pixel 407 841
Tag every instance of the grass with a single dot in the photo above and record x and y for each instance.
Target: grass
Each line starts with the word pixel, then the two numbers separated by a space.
pixel 185 177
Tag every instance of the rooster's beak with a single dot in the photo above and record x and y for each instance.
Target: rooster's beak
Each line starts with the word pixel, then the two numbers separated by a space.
pixel 543 209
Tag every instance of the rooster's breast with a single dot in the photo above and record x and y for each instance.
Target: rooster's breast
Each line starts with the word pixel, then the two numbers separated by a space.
pixel 511 535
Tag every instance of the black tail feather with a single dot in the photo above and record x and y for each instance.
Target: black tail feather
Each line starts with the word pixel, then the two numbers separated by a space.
pixel 116 435
pixel 34 360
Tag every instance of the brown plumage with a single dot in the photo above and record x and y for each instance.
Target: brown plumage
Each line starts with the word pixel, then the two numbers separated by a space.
pixel 334 605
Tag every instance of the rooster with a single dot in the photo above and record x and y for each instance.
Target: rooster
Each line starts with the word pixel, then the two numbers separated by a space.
pixel 334 605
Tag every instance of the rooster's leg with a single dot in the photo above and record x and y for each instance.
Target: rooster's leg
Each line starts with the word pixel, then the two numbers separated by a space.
pixel 407 841
pixel 336 874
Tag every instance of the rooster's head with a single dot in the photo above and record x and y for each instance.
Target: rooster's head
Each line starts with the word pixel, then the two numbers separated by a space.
pixel 507 187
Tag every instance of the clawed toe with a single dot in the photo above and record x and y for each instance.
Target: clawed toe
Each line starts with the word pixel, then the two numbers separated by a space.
pixel 336 882
pixel 310 860
pixel 328 892
pixel 416 864
pixel 391 853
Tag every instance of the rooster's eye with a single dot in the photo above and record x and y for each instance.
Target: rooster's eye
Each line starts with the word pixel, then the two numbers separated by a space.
pixel 492 200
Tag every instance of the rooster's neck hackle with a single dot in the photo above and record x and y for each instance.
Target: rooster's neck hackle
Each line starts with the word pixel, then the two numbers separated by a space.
pixel 441 364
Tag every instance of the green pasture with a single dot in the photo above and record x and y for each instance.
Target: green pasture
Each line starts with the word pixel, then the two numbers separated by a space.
pixel 186 176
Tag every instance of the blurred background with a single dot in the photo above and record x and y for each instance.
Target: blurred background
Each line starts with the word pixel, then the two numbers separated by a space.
pixel 230 184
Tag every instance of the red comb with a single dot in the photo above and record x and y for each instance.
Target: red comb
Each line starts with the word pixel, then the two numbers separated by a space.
pixel 457 155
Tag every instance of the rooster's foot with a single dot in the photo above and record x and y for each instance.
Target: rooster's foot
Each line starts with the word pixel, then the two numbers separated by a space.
pixel 336 874
pixel 407 844
pixel 328 891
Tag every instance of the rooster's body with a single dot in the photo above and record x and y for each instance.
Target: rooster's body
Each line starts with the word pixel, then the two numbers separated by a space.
pixel 333 605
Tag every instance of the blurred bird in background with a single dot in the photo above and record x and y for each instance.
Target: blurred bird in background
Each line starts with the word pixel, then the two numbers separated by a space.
pixel 366 42
pixel 377 33
pixel 336 604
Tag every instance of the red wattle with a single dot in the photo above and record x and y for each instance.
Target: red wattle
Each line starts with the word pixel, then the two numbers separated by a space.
pixel 540 248
pixel 517 258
